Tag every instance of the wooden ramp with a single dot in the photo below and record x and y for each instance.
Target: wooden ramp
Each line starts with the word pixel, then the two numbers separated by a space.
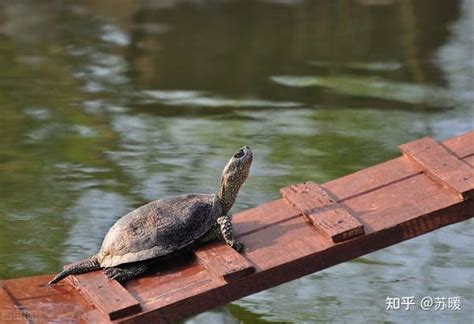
pixel 310 228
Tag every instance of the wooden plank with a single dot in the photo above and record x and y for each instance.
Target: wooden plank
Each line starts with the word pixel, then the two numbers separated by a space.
pixel 260 218
pixel 462 145
pixel 359 183
pixel 394 205
pixel 33 287
pixel 57 303
pixel 370 179
pixel 10 312
pixel 106 294
pixel 224 261
pixel 287 258
pixel 173 283
pixel 470 160
pixel 323 211
pixel 63 308
pixel 441 165
pixel 394 201
pixel 392 171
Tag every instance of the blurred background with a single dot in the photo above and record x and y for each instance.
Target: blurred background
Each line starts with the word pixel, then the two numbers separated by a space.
pixel 106 105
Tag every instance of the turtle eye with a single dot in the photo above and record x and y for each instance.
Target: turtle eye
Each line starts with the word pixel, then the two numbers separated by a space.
pixel 239 154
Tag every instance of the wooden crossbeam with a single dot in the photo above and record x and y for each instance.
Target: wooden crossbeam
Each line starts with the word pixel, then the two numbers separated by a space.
pixel 224 261
pixel 323 211
pixel 107 294
pixel 441 165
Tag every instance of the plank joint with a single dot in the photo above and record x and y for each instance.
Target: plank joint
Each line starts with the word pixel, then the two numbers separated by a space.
pixel 322 211
pixel 106 294
pixel 10 311
pixel 441 165
pixel 224 261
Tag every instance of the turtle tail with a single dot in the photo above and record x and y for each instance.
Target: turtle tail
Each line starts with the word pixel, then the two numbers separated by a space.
pixel 86 265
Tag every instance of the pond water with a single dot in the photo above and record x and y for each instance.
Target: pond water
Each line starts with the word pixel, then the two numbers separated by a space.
pixel 106 105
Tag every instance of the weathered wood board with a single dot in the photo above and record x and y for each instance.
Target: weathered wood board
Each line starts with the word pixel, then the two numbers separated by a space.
pixel 285 239
pixel 322 211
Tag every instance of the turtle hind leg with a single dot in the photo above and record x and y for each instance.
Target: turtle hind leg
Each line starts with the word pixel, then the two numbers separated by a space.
pixel 126 272
pixel 87 265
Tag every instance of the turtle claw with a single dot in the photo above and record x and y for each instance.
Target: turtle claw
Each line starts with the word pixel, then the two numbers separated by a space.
pixel 238 246
pixel 114 273
pixel 127 272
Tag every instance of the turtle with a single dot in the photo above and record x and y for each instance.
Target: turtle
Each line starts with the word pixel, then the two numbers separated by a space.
pixel 167 227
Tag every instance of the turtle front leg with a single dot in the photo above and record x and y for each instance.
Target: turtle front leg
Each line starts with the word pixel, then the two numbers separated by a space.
pixel 212 235
pixel 227 233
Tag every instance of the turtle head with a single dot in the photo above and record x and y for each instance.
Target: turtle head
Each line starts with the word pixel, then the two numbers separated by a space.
pixel 234 175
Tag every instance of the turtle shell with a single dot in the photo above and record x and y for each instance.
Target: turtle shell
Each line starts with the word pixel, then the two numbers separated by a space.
pixel 159 228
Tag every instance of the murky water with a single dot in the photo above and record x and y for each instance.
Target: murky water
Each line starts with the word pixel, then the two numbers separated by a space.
pixel 105 105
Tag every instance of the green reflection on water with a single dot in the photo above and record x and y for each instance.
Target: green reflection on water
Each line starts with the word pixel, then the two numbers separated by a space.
pixel 105 106
pixel 373 87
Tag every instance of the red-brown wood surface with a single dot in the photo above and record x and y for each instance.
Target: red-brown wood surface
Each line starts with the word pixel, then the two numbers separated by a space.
pixel 224 261
pixel 322 211
pixel 9 310
pixel 394 201
pixel 60 303
pixel 106 294
pixel 441 165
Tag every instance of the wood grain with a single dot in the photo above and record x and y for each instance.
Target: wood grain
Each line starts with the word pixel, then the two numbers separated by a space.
pixel 107 294
pixel 9 310
pixel 323 211
pixel 462 145
pixel 224 261
pixel 441 165
pixel 394 201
